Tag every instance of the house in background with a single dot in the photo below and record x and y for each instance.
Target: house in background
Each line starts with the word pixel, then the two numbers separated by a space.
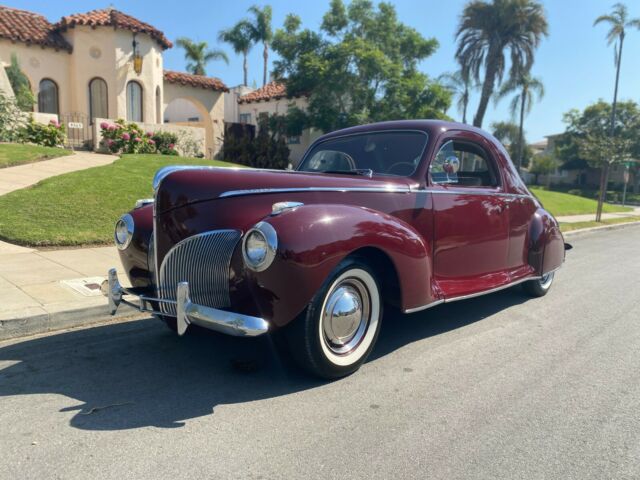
pixel 272 99
pixel 105 64
pixel 577 172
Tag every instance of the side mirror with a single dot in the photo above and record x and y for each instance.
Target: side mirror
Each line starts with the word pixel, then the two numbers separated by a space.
pixel 451 165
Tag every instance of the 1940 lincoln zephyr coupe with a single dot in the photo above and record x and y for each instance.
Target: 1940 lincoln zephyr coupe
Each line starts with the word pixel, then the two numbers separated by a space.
pixel 413 213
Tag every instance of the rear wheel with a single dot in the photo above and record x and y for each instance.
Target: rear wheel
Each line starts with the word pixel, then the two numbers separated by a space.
pixel 540 286
pixel 335 334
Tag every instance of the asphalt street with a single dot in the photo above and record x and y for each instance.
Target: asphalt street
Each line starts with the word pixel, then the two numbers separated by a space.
pixel 501 386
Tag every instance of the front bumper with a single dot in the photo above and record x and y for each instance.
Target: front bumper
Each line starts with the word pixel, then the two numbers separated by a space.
pixel 187 312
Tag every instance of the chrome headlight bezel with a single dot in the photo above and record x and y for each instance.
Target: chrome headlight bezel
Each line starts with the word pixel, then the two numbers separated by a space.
pixel 269 236
pixel 127 225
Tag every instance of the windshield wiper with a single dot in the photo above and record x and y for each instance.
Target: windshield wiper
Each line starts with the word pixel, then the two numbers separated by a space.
pixel 366 172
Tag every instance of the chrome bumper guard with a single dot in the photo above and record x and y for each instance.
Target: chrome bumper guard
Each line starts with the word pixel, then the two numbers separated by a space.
pixel 188 312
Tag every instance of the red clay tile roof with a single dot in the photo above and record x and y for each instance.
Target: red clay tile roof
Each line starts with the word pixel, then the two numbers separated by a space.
pixel 200 81
pixel 30 28
pixel 271 91
pixel 116 19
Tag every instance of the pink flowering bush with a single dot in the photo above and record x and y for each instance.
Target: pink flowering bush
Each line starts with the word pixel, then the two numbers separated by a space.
pixel 122 137
pixel 52 135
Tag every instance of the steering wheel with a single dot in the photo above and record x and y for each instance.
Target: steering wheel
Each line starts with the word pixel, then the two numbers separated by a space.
pixel 401 168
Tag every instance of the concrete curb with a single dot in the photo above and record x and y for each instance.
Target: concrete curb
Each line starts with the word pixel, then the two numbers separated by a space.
pixel 615 226
pixel 52 321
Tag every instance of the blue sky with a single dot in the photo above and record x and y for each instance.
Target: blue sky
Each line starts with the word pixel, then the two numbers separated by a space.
pixel 574 62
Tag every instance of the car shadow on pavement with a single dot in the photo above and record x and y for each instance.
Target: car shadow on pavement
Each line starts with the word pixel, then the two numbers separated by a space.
pixel 139 374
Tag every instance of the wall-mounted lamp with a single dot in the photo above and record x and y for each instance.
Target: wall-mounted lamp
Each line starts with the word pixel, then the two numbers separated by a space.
pixel 137 58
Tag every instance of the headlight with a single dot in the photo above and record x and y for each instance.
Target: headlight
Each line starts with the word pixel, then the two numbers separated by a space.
pixel 259 247
pixel 124 231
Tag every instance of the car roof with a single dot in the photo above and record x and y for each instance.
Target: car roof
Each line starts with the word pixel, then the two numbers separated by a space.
pixel 429 126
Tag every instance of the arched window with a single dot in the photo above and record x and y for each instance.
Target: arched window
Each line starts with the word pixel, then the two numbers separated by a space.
pixel 158 106
pixel 98 99
pixel 48 96
pixel 134 102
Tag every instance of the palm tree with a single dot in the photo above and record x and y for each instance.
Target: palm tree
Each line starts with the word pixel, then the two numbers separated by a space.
pixel 459 84
pixel 198 55
pixel 240 39
pixel 619 21
pixel 526 88
pixel 487 30
pixel 261 32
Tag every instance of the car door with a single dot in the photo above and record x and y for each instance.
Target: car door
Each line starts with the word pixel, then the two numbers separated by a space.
pixel 471 223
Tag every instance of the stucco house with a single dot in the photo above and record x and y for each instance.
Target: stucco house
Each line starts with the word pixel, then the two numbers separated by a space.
pixel 272 99
pixel 105 64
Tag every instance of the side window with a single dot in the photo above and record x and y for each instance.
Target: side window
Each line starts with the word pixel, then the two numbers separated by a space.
pixel 464 164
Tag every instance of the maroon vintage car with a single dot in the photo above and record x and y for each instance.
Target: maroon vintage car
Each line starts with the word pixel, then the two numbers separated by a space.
pixel 413 213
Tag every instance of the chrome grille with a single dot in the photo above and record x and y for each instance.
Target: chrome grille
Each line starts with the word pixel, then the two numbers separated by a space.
pixel 203 261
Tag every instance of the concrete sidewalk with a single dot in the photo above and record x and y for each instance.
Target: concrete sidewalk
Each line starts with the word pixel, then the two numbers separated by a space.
pixel 591 216
pixel 21 176
pixel 44 290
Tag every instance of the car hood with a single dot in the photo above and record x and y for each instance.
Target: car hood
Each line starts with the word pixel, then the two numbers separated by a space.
pixel 182 186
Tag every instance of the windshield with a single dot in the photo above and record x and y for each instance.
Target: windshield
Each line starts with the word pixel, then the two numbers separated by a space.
pixel 387 153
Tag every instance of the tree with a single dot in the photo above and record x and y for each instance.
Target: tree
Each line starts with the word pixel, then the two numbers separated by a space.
pixel 588 136
pixel 619 21
pixel 487 30
pixel 359 67
pixel 544 165
pixel 460 85
pixel 240 38
pixel 508 134
pixel 198 55
pixel 20 85
pixel 526 88
pixel 261 32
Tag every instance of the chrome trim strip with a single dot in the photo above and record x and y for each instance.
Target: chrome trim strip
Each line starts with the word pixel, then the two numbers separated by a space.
pixel 477 294
pixel 423 307
pixel 493 290
pixel 462 192
pixel 259 191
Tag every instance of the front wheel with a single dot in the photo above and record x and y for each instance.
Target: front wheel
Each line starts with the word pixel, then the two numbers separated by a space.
pixel 335 334
pixel 540 286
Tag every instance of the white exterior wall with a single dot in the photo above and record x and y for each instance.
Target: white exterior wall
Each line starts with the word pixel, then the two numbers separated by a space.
pixel 38 63
pixel 231 106
pixel 210 106
pixel 181 110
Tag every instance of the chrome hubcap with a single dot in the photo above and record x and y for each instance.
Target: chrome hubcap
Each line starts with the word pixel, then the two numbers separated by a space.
pixel 545 281
pixel 346 316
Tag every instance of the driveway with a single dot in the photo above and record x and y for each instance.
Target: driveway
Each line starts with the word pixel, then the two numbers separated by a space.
pixel 501 386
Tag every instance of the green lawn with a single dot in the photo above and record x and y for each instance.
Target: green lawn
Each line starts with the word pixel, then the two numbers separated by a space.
pixel 564 204
pixel 12 154
pixel 80 208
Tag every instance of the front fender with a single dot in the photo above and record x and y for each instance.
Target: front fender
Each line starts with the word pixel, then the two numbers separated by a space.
pixel 314 239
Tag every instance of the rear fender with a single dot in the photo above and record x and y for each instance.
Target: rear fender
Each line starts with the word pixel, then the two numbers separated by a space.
pixel 314 239
pixel 546 243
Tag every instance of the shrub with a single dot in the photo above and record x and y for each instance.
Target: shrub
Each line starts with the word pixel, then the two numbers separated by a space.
pixel 51 135
pixel 122 137
pixel 12 120
pixel 189 146
pixel 165 142
pixel 267 150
